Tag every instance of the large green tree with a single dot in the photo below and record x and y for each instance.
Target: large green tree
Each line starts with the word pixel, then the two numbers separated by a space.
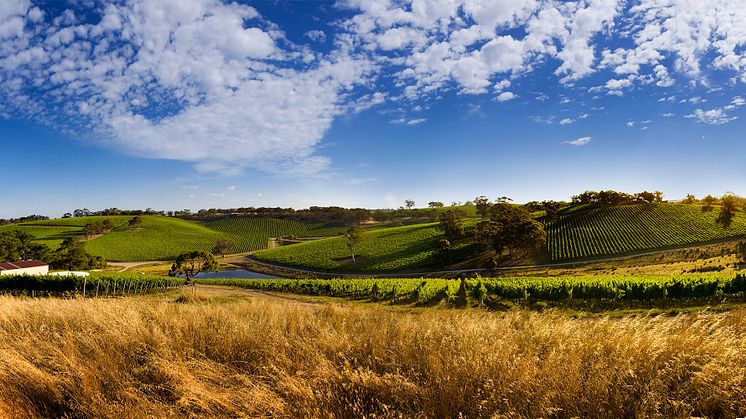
pixel 18 245
pixel 510 228
pixel 483 206
pixel 190 264
pixel 223 246
pixel 729 204
pixel 72 256
pixel 450 222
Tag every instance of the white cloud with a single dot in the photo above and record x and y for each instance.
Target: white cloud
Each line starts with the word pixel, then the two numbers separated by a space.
pixel 194 80
pixel 316 35
pixel 579 142
pixel 583 116
pixel 715 116
pixel 718 116
pixel 630 124
pixel 566 121
pixel 416 121
pixel 231 188
pixel 506 96
pixel 667 115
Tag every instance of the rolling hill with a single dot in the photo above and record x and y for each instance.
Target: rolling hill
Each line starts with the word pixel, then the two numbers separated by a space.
pixel 160 238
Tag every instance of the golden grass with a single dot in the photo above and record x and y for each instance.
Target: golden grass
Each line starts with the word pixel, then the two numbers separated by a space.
pixel 261 357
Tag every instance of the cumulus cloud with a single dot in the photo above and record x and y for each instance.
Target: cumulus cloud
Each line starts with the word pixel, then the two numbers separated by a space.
pixel 214 83
pixel 717 116
pixel 566 121
pixel 505 96
pixel 316 35
pixel 194 80
pixel 579 142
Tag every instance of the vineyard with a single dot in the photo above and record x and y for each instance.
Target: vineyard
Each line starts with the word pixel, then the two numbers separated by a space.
pixel 381 250
pixel 606 291
pixel 163 238
pixel 254 233
pixel 613 230
pixel 95 285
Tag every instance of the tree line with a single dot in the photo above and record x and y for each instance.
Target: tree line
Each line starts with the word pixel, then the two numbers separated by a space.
pixel 16 245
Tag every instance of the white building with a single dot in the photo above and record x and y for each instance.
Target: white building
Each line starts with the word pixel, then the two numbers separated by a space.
pixel 24 267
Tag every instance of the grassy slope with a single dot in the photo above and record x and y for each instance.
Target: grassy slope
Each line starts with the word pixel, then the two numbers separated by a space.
pixel 382 250
pixel 164 238
pixel 53 232
pixel 254 233
pixel 159 238
pixel 592 232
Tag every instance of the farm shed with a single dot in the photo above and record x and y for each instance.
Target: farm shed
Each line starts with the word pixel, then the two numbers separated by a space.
pixel 28 267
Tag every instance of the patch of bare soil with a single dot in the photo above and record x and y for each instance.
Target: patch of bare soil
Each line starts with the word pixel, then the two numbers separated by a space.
pixel 348 260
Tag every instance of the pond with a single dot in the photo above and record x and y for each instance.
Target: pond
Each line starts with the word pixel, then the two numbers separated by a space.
pixel 234 273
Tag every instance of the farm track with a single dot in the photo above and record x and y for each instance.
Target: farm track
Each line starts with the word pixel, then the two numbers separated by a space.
pixel 240 293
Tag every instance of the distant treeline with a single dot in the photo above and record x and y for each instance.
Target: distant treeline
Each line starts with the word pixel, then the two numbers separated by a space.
pixel 26 219
pixel 313 214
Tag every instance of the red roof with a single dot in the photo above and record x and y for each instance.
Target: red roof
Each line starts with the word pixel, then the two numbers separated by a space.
pixel 21 264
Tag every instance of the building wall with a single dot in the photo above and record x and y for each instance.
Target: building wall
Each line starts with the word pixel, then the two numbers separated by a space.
pixel 36 270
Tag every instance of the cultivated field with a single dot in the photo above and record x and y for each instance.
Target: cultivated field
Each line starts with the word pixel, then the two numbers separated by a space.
pixel 610 230
pixel 381 250
pixel 159 238
pixel 594 293
pixel 148 356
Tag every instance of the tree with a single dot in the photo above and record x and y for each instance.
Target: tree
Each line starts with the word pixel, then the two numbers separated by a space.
pixel 72 256
pixel 658 197
pixel 190 264
pixel 728 208
pixel 442 252
pixel 689 200
pixel 17 245
pixel 451 224
pixel 551 208
pixel 354 236
pixel 646 196
pixel 510 227
pixel 135 222
pixel 435 204
pixel 409 203
pixel 741 251
pixel 708 201
pixel 223 246
pixel 483 206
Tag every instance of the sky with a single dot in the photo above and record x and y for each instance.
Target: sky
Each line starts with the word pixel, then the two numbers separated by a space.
pixel 197 104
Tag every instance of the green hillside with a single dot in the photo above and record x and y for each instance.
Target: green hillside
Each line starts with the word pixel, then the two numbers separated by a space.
pixel 53 232
pixel 160 238
pixel 609 230
pixel 382 250
pixel 254 233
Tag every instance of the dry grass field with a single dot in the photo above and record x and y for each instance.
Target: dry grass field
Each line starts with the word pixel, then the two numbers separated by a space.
pixel 254 356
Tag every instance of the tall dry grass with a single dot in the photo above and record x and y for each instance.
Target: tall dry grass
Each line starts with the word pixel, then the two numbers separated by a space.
pixel 138 357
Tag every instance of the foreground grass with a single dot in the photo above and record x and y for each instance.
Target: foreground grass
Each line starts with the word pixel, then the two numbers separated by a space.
pixel 147 357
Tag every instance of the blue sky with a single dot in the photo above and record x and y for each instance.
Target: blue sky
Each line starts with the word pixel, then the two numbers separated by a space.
pixel 201 103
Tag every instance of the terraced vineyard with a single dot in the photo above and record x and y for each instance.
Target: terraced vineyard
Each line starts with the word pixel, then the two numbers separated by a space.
pixel 600 231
